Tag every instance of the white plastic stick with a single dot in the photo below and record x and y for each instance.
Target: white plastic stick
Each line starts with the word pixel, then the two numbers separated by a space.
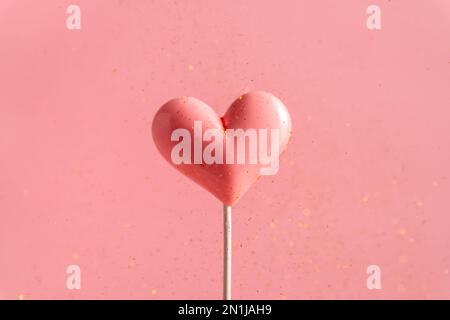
pixel 226 252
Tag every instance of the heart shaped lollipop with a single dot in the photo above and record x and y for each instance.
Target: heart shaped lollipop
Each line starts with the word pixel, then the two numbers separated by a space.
pixel 214 151
pixel 259 113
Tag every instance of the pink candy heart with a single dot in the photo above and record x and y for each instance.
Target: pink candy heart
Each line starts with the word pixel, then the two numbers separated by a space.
pixel 251 112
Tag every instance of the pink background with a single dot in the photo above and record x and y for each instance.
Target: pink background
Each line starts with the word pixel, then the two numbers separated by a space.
pixel 365 179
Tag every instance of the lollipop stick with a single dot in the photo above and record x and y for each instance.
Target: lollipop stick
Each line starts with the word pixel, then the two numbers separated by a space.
pixel 226 252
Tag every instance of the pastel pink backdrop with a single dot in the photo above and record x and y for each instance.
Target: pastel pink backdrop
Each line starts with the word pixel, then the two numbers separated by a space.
pixel 365 179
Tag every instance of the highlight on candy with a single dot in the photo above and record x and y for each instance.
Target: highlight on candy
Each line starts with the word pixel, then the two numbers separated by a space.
pixel 236 149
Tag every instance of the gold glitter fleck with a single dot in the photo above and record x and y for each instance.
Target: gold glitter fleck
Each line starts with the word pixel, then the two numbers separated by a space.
pixel 132 263
pixel 402 231
pixel 190 67
pixel 306 212
pixel 273 223
pixel 154 292
pixel 21 297
pixel 365 199
pixel 419 204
